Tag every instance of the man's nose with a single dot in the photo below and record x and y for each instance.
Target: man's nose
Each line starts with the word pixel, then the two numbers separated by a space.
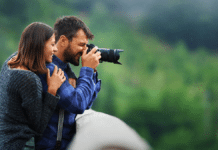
pixel 85 47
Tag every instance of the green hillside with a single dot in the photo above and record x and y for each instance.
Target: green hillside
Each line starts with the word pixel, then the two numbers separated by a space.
pixel 167 94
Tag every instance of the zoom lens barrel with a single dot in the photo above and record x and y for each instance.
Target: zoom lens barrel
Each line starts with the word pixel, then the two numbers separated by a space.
pixel 108 55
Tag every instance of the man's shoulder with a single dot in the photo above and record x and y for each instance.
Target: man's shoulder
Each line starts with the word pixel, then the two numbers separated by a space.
pixel 50 66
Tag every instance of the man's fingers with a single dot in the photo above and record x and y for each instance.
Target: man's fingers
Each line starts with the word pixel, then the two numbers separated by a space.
pixel 98 54
pixel 85 51
pixel 94 50
pixel 96 47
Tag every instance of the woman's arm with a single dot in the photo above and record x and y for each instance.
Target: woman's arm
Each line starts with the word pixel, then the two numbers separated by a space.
pixel 38 107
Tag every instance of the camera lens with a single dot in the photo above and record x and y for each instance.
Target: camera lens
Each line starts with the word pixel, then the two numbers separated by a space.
pixel 108 55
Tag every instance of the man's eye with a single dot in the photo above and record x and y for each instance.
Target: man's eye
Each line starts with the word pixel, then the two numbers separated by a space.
pixel 52 44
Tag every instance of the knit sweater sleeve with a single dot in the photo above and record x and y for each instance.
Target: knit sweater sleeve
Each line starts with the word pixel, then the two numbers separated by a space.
pixel 38 107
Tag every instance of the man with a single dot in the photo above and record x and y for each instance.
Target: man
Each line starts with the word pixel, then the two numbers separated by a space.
pixel 71 35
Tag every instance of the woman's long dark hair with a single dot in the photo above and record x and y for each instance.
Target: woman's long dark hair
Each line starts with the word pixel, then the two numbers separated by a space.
pixel 31 47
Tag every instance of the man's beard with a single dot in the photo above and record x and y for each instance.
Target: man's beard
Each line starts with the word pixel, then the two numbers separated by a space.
pixel 70 57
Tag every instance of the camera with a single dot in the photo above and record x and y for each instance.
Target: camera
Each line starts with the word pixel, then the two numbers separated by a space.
pixel 108 55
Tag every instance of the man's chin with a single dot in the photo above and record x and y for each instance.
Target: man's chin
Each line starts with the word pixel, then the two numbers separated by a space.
pixel 75 63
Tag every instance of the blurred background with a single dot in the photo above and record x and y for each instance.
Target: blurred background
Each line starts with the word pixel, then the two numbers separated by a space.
pixel 166 87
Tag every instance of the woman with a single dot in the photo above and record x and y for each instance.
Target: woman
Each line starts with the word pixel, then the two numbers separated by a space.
pixel 24 109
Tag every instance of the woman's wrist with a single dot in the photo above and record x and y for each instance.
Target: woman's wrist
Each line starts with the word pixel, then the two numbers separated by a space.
pixel 52 91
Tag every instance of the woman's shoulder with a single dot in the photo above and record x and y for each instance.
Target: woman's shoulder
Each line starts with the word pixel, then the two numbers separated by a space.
pixel 20 80
pixel 11 56
pixel 25 76
pixel 5 64
pixel 23 73
pixel 19 71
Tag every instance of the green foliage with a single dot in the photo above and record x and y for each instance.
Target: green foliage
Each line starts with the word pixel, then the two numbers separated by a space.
pixel 168 95
pixel 190 21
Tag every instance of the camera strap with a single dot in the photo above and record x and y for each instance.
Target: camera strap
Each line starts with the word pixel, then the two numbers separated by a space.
pixel 61 120
pixel 60 129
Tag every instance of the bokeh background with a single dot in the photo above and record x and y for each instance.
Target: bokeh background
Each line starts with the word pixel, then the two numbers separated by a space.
pixel 166 87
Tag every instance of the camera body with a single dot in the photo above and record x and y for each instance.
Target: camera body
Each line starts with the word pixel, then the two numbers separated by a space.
pixel 108 55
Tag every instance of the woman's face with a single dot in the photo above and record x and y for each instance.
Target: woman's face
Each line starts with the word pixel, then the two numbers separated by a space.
pixel 50 48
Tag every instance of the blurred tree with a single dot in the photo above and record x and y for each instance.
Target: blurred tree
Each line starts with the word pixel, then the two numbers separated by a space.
pixel 189 21
pixel 155 90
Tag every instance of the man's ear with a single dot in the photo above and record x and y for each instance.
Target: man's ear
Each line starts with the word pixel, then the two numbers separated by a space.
pixel 63 41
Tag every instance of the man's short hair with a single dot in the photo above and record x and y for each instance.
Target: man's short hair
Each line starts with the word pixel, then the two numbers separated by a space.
pixel 68 26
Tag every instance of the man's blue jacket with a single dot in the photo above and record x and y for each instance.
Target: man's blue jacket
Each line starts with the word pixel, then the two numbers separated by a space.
pixel 73 100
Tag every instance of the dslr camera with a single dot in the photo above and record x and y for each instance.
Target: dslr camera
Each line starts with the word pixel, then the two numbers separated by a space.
pixel 108 55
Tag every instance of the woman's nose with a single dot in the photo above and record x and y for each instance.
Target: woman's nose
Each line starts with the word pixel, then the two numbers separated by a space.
pixel 55 48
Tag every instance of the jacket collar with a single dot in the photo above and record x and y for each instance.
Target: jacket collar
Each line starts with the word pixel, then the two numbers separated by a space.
pixel 59 63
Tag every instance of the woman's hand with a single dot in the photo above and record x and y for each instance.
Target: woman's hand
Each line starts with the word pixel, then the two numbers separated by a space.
pixel 55 81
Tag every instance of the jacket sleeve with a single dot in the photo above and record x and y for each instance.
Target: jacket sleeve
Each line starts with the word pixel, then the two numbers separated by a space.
pixel 38 107
pixel 76 100
pixel 97 83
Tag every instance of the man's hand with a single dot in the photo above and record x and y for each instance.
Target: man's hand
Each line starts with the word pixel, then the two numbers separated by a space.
pixel 91 59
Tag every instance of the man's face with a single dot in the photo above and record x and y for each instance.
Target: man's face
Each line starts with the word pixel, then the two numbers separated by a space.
pixel 75 48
